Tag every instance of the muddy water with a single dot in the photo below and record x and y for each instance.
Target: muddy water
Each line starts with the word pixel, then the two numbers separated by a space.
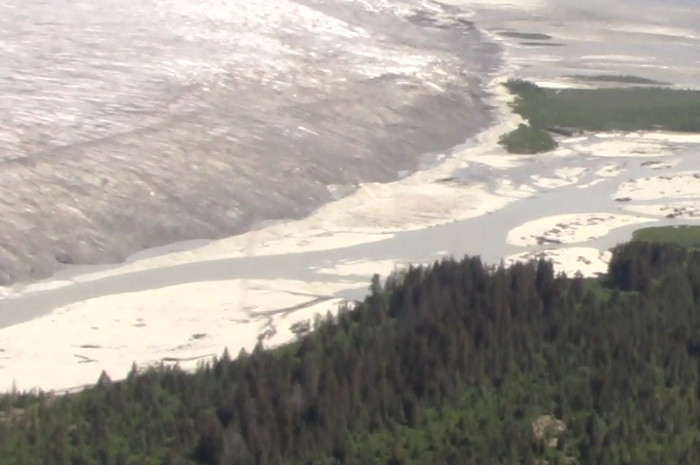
pixel 484 236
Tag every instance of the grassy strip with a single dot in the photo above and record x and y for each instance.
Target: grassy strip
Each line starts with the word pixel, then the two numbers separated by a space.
pixel 616 109
pixel 525 35
pixel 625 109
pixel 685 236
pixel 622 79
pixel 542 44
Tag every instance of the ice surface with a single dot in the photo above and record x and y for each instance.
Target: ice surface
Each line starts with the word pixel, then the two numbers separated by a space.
pixel 131 124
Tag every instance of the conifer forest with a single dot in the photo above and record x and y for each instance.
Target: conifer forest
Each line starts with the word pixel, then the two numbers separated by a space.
pixel 453 363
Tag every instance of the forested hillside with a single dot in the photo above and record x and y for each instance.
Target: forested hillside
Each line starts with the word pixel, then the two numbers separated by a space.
pixel 456 363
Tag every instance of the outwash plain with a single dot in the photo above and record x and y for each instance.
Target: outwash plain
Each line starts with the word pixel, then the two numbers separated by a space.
pixel 169 192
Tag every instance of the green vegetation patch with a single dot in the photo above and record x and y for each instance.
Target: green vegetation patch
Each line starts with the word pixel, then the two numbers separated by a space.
pixel 685 236
pixel 622 109
pixel 613 109
pixel 528 140
pixel 542 44
pixel 622 79
pixel 525 35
